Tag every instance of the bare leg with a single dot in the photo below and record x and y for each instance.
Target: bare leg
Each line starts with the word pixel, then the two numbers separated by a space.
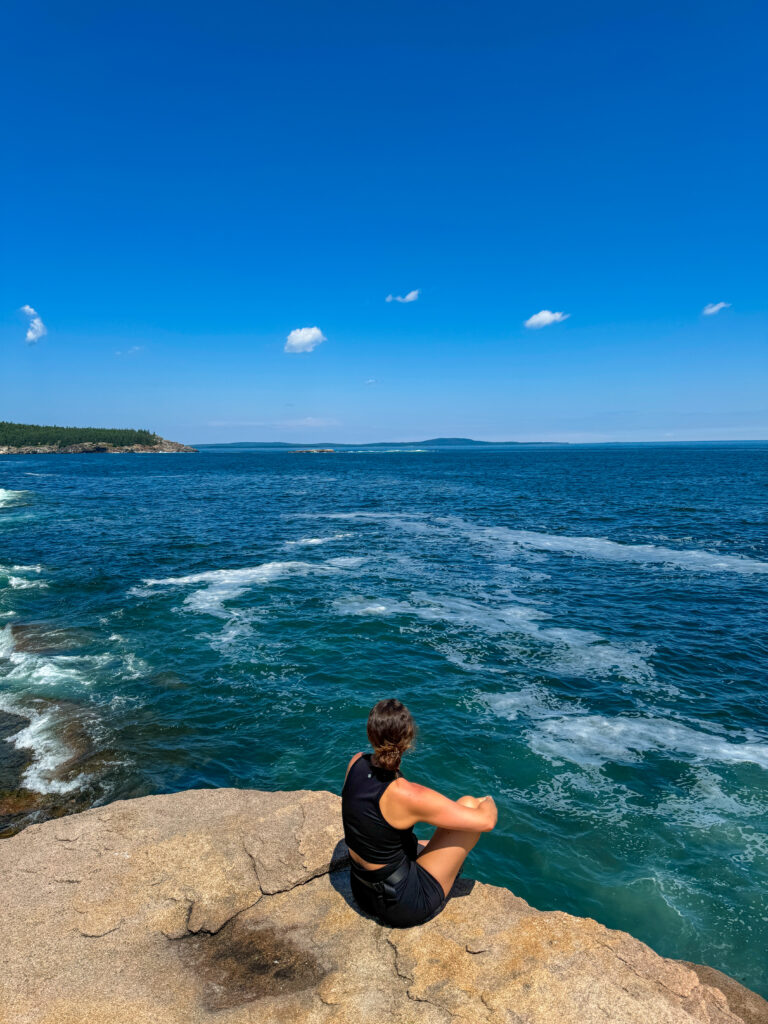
pixel 447 850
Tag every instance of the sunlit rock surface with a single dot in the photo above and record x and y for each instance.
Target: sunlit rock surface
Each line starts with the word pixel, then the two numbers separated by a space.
pixel 234 906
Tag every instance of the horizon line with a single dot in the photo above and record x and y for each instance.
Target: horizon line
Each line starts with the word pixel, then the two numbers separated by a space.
pixel 475 441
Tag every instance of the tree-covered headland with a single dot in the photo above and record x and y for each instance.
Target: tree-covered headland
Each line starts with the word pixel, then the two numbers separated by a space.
pixel 21 435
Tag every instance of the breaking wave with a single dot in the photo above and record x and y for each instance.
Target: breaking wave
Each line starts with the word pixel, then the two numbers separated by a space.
pixel 42 738
pixel 8 497
pixel 228 584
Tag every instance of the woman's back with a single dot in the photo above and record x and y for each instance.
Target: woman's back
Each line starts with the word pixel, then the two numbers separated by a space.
pixel 366 830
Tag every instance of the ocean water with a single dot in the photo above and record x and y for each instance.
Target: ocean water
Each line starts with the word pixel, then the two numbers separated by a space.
pixel 579 631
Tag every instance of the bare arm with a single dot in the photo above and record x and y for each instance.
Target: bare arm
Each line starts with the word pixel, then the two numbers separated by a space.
pixel 420 803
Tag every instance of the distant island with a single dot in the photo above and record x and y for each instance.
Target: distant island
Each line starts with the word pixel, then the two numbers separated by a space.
pixel 434 442
pixel 33 439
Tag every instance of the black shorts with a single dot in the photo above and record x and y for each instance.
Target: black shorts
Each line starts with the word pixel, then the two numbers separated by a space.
pixel 411 901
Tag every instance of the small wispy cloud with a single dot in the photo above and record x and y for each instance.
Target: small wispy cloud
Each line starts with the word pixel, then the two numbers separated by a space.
pixel 371 380
pixel 130 351
pixel 304 339
pixel 36 329
pixel 714 307
pixel 544 318
pixel 310 421
pixel 410 297
pixel 304 421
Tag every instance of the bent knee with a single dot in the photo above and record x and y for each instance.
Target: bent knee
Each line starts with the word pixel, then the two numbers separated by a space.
pixel 468 801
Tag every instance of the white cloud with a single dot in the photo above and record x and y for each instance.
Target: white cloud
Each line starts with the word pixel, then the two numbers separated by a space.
pixel 714 307
pixel 130 351
pixel 36 328
pixel 545 318
pixel 371 380
pixel 410 297
pixel 304 339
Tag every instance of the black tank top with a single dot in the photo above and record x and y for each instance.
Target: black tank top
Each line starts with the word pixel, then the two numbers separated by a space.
pixel 365 829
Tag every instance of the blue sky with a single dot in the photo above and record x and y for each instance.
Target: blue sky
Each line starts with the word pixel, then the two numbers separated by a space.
pixel 183 185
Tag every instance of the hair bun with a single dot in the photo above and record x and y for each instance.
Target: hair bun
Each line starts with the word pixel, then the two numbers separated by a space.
pixel 388 755
pixel 391 730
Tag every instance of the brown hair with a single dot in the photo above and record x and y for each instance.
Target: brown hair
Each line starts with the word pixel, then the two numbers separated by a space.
pixel 391 730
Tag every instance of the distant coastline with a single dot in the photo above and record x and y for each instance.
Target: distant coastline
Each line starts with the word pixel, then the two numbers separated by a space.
pixel 455 443
pixel 433 442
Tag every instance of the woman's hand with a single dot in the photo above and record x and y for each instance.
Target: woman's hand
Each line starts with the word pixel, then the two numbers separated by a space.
pixel 488 804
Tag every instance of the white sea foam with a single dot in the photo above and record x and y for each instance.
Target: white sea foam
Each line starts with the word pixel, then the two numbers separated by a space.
pixel 572 794
pixel 10 577
pixel 582 653
pixel 239 624
pixel 228 584
pixel 533 702
pixel 573 651
pixel 704 806
pixel 354 605
pixel 595 739
pixel 362 516
pixel 707 805
pixel 569 734
pixel 24 673
pixel 599 548
pixel 11 497
pixel 6 642
pixel 20 583
pixel 25 669
pixel 49 753
pixel 134 667
pixel 311 542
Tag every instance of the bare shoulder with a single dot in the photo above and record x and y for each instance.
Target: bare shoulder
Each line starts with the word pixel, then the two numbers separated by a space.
pixel 412 794
pixel 352 760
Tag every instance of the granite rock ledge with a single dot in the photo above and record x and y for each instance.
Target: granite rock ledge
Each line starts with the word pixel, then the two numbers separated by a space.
pixel 161 447
pixel 232 906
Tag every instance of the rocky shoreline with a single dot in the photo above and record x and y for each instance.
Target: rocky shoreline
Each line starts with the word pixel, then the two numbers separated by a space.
pixel 50 761
pixel 71 785
pixel 163 447
pixel 234 905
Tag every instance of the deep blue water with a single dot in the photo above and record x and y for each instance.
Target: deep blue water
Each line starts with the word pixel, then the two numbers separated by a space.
pixel 579 631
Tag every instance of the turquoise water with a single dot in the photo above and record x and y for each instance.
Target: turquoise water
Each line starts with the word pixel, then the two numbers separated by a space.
pixel 579 631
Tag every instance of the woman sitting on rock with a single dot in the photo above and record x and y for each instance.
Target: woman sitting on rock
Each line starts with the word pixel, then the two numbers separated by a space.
pixel 394 877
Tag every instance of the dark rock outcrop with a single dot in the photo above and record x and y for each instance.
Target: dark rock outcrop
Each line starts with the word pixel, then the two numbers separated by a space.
pixel 162 447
